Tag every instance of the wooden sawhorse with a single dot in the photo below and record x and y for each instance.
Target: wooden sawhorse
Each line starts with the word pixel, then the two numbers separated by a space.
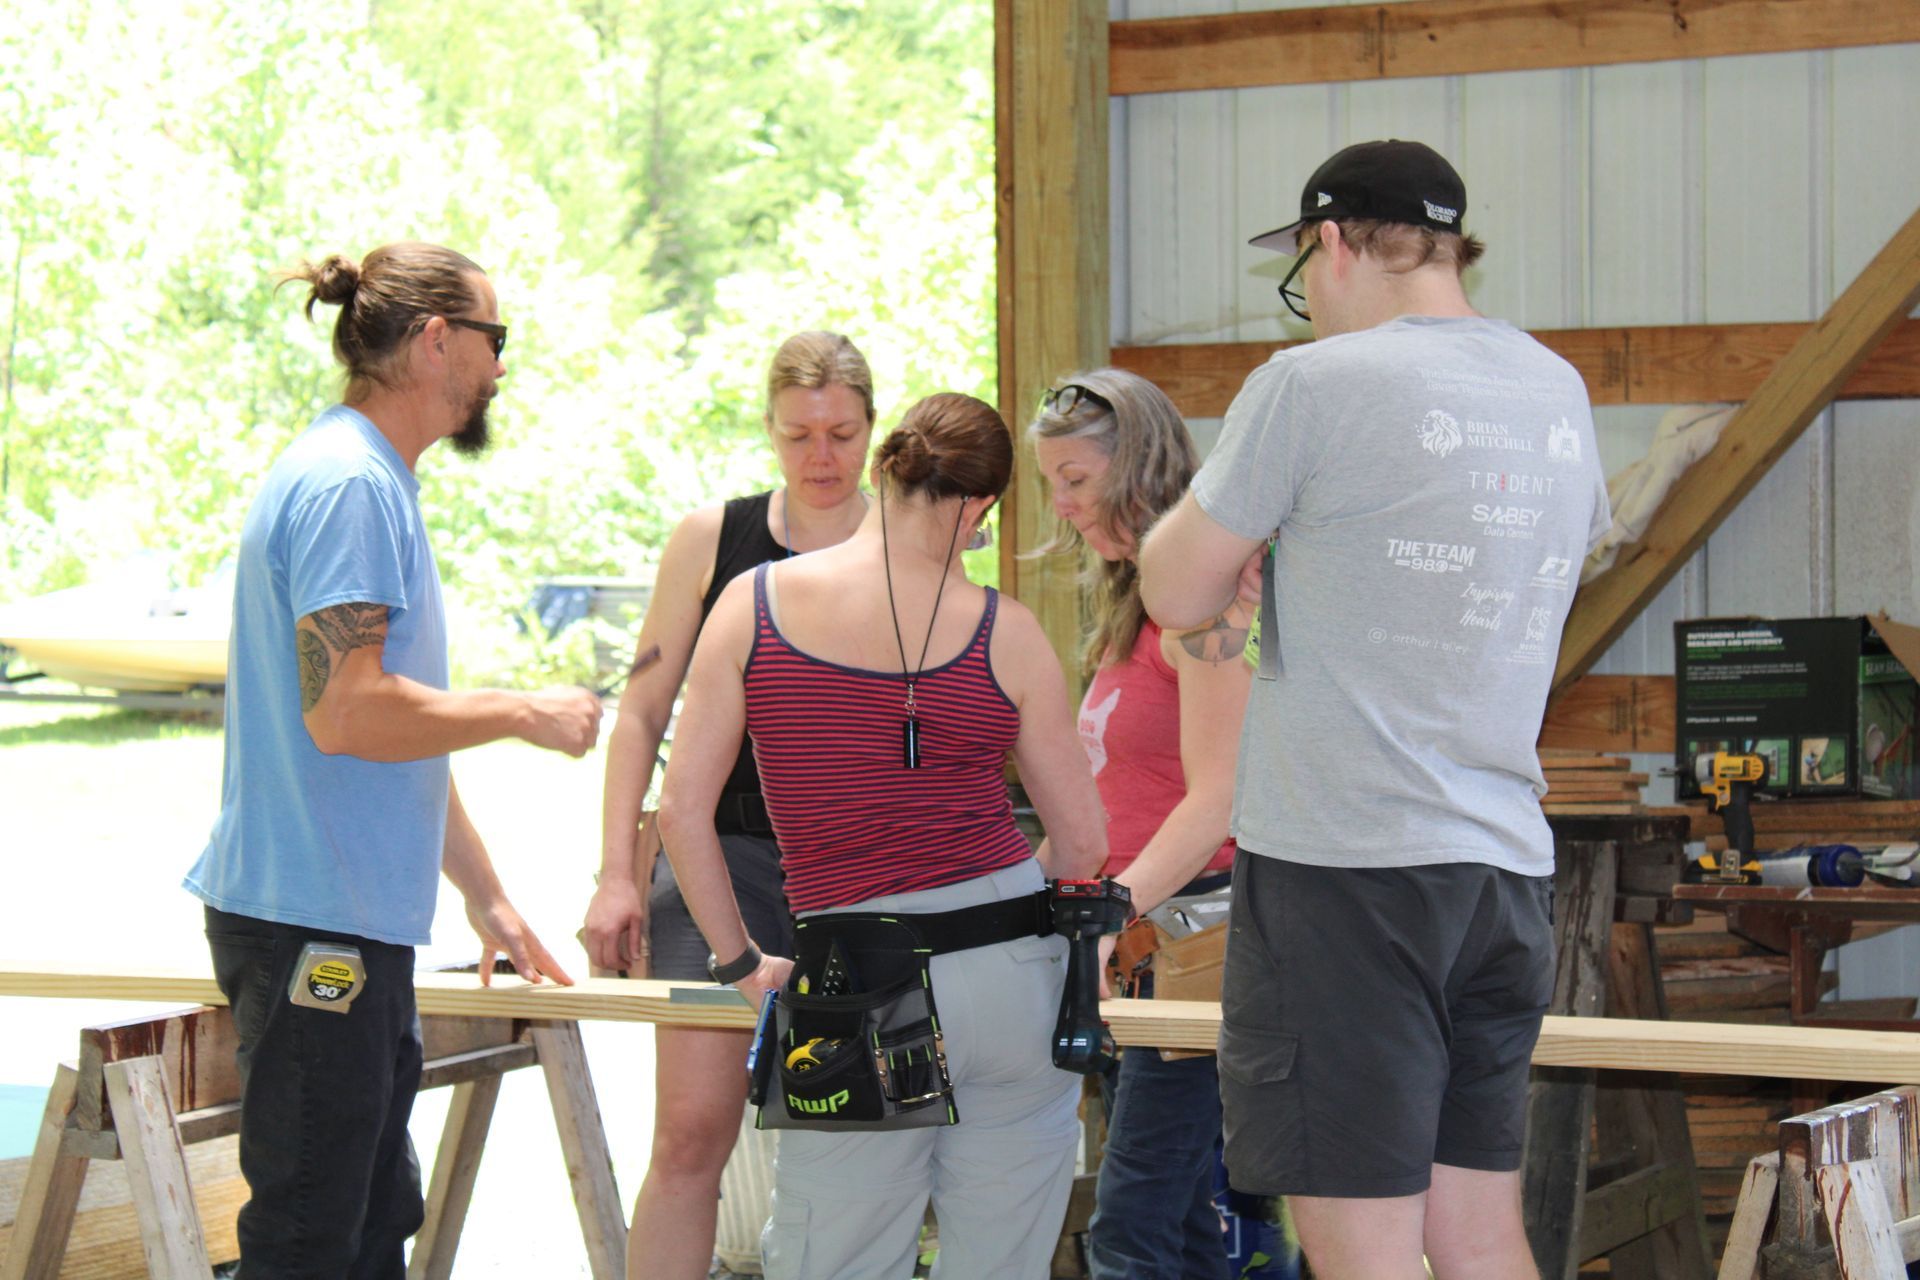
pixel 1842 1195
pixel 1637 1201
pixel 144 1090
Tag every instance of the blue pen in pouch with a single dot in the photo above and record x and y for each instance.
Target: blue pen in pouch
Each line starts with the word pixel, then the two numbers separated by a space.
pixel 759 1032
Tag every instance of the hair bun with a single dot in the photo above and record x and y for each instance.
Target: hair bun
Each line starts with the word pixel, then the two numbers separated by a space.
pixel 335 280
pixel 905 456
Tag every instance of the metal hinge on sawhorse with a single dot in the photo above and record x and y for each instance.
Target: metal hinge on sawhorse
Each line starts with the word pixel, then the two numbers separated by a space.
pixel 144 1091
pixel 1638 1201
pixel 1841 1196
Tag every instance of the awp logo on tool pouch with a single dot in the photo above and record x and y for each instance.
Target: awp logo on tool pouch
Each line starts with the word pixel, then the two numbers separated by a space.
pixel 1439 433
pixel 818 1106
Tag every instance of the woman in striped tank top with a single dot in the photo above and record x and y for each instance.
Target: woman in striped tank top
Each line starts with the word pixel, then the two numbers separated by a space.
pixel 883 692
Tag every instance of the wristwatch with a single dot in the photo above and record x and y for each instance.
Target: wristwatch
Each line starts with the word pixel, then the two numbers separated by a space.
pixel 733 971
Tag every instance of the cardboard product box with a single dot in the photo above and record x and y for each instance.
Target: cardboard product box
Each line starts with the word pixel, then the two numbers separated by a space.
pixel 1830 703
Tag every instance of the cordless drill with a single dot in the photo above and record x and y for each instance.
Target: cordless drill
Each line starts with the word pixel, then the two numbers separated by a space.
pixel 1729 779
pixel 1084 911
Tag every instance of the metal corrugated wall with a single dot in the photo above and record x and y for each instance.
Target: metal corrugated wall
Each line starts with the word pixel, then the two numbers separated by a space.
pixel 1711 191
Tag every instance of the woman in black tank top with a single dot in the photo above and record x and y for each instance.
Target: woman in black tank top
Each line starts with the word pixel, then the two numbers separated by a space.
pixel 819 421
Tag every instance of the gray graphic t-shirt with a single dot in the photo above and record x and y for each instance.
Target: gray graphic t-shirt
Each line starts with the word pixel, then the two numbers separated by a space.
pixel 1434 487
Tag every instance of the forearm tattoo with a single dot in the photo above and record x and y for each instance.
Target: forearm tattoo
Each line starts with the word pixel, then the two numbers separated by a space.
pixel 1219 641
pixel 337 631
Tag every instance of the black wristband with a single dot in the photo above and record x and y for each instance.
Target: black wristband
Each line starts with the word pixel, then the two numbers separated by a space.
pixel 736 969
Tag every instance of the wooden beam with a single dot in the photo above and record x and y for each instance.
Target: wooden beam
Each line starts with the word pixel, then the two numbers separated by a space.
pixel 1612 713
pixel 1460 37
pixel 1051 229
pixel 1647 364
pixel 1810 1053
pixel 1802 384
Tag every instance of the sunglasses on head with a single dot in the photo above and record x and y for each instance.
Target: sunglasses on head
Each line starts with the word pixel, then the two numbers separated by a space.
pixel 1063 400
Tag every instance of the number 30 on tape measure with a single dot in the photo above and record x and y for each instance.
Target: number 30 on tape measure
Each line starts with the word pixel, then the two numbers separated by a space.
pixel 329 976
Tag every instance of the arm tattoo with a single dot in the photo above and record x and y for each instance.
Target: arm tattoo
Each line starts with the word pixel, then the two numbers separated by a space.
pixel 336 632
pixel 347 627
pixel 315 667
pixel 1216 642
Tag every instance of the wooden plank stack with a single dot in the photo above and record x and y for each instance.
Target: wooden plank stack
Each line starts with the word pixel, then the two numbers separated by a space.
pixel 1581 785
pixel 1782 824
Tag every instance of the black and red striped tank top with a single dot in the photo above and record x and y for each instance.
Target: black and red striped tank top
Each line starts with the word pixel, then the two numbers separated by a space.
pixel 852 821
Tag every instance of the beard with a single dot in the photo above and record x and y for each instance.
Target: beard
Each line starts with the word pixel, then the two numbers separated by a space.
pixel 476 433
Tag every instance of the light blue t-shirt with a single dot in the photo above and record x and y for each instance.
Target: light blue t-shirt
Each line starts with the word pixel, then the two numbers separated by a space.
pixel 1434 487
pixel 330 842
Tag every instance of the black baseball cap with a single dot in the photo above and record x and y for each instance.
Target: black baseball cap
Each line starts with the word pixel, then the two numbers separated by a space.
pixel 1392 181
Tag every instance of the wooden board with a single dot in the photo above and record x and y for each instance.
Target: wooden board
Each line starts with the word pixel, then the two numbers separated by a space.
pixel 1648 364
pixel 1772 418
pixel 1612 713
pixel 105 1240
pixel 1794 1052
pixel 1456 37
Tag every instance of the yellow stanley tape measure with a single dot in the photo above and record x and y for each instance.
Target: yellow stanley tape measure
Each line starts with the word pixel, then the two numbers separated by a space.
pixel 330 976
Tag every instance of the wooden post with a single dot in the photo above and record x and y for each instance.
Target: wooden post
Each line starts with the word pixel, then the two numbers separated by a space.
pixel 1651 1113
pixel 1740 1259
pixel 156 1171
pixel 576 1113
pixel 1050 65
pixel 1560 1100
pixel 454 1170
pixel 52 1194
pixel 1766 425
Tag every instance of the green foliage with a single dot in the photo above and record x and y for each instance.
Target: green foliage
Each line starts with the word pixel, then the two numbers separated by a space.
pixel 659 190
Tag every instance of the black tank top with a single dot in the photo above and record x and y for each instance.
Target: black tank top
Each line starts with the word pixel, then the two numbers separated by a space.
pixel 745 545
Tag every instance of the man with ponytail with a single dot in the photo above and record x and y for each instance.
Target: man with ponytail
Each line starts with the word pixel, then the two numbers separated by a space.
pixel 338 809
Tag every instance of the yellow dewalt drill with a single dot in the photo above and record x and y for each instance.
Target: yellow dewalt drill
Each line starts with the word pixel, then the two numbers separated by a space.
pixel 1728 779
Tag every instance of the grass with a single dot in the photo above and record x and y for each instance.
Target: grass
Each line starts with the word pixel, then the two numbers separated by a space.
pixel 101 813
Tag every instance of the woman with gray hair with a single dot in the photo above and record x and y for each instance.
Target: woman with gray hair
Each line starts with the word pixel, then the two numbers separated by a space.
pixel 1160 723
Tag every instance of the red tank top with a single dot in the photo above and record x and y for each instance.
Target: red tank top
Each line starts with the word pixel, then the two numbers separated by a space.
pixel 852 821
pixel 1130 726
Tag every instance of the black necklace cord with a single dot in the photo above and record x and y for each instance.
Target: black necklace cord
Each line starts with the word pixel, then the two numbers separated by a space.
pixel 910 731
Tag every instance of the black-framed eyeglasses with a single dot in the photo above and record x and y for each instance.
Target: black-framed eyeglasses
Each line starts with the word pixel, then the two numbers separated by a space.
pixel 1295 300
pixel 496 333
pixel 1063 400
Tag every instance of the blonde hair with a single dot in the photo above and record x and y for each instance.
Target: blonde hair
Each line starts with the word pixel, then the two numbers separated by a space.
pixel 1151 461
pixel 1400 246
pixel 817 359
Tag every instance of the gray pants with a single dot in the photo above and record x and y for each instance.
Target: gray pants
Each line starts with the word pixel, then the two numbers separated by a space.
pixel 848 1206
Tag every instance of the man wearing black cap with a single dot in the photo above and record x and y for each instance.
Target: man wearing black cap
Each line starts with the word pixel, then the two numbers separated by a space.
pixel 1412 492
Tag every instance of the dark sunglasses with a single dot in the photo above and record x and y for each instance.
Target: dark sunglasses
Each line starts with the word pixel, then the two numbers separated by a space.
pixel 1063 400
pixel 1295 300
pixel 496 333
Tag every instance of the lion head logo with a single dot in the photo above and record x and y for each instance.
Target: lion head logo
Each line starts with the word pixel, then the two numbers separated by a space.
pixel 1439 433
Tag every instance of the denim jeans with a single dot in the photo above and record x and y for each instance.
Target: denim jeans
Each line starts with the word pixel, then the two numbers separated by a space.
pixel 324 1101
pixel 1153 1216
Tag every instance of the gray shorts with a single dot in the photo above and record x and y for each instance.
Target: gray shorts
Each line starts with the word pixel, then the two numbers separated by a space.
pixel 753 864
pixel 1376 1022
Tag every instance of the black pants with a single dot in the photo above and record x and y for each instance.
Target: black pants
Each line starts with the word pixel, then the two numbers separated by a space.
pixel 325 1098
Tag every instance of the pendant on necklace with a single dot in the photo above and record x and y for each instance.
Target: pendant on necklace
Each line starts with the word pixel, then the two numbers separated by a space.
pixel 910 734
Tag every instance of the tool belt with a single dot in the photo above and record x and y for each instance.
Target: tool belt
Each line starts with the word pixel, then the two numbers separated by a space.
pixel 742 813
pixel 872 1057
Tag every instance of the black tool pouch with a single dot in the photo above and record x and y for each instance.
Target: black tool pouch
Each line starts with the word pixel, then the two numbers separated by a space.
pixel 869 1060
